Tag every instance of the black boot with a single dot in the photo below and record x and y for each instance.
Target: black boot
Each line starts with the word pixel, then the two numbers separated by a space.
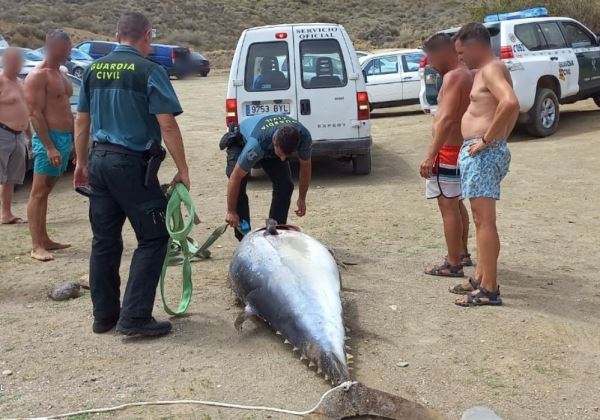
pixel 146 327
pixel 101 326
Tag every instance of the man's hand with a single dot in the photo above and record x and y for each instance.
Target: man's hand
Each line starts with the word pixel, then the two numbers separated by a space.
pixel 232 219
pixel 54 156
pixel 81 177
pixel 301 211
pixel 426 169
pixel 476 147
pixel 183 177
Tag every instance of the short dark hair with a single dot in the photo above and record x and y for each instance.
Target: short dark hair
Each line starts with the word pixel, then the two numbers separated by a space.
pixel 437 42
pixel 133 26
pixel 57 35
pixel 474 32
pixel 287 138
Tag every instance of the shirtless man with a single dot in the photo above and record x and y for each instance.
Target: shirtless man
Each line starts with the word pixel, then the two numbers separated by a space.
pixel 47 91
pixel 484 158
pixel 14 125
pixel 440 166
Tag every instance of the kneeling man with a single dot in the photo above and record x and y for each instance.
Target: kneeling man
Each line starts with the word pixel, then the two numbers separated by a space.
pixel 270 140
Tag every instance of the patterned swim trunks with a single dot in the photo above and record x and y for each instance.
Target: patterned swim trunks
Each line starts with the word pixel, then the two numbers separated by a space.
pixel 481 174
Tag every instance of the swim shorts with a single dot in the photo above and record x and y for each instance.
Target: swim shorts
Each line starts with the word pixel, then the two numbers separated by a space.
pixel 481 174
pixel 13 157
pixel 445 180
pixel 64 144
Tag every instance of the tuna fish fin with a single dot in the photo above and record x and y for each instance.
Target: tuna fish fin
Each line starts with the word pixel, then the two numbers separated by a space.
pixel 311 364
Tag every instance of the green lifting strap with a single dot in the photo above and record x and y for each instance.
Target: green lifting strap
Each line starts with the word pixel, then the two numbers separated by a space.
pixel 181 248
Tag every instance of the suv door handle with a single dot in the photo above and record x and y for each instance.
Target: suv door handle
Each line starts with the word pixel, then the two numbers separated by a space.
pixel 554 58
pixel 305 107
pixel 407 78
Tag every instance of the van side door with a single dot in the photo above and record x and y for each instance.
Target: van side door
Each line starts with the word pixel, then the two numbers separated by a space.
pixel 384 82
pixel 326 82
pixel 587 52
pixel 411 82
pixel 265 80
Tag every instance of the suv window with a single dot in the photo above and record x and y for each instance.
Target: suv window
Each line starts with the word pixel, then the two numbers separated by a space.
pixel 382 65
pixel 552 34
pixel 577 37
pixel 102 48
pixel 410 62
pixel 530 35
pixel 322 64
pixel 85 47
pixel 264 67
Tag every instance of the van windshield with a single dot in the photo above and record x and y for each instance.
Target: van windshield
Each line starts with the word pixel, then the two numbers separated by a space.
pixel 267 67
pixel 322 64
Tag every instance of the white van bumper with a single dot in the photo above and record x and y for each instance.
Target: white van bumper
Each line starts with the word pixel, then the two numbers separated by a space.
pixel 342 147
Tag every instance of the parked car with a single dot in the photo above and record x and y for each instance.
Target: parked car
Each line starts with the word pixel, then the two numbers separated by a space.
pixel 361 54
pixel 200 65
pixel 552 61
pixel 3 42
pixel 96 49
pixel 77 62
pixel 393 77
pixel 176 60
pixel 311 73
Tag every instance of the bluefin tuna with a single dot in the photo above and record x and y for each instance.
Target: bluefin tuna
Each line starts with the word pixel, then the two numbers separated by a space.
pixel 291 281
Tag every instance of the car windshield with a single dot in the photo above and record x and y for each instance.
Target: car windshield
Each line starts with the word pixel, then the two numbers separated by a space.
pixel 30 55
pixel 79 55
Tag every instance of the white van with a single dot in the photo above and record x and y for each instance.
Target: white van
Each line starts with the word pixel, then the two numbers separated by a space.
pixel 311 73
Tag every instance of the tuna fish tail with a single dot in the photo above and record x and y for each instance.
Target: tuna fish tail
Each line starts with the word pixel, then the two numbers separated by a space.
pixel 334 370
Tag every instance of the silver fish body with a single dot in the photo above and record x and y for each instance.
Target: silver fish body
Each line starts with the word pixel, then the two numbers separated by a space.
pixel 291 281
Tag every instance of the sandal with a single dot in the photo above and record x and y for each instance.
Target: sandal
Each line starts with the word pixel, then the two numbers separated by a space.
pixel 480 297
pixel 446 270
pixel 466 260
pixel 470 286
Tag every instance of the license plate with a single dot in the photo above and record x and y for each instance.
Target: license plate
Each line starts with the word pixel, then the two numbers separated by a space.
pixel 267 109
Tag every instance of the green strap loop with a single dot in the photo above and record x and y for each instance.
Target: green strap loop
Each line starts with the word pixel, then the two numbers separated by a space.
pixel 181 248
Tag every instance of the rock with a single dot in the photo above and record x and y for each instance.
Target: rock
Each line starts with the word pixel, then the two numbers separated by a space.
pixel 394 307
pixel 65 291
pixel 6 372
pixel 84 282
pixel 480 413
pixel 402 364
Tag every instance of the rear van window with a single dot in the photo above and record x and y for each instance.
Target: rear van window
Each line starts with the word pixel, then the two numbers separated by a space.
pixel 529 34
pixel 267 67
pixel 322 64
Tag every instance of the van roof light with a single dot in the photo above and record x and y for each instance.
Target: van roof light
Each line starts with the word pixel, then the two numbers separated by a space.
pixel 521 14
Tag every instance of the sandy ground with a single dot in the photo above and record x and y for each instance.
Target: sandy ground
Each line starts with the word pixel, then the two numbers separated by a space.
pixel 535 358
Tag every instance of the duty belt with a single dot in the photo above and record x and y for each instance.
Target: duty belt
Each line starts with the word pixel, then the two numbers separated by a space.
pixel 110 147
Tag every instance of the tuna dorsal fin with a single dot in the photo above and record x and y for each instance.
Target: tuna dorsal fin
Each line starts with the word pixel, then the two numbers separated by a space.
pixel 271 227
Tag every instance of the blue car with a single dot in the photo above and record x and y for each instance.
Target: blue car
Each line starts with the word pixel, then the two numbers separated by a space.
pixel 176 60
pixel 96 49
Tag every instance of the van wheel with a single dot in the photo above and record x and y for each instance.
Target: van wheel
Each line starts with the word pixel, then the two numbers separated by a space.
pixel 597 99
pixel 544 115
pixel 361 164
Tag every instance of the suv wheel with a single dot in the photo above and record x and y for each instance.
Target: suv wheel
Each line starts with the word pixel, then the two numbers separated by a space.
pixel 361 164
pixel 78 72
pixel 544 114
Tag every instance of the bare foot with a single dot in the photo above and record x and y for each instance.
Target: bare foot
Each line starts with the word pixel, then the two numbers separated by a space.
pixel 12 220
pixel 53 246
pixel 41 254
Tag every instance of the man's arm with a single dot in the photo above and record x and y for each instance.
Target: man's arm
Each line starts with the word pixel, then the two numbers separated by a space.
pixel 507 112
pixel 172 137
pixel 455 85
pixel 35 96
pixel 82 137
pixel 233 192
pixel 304 181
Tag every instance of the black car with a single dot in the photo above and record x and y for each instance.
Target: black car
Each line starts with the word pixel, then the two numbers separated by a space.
pixel 200 64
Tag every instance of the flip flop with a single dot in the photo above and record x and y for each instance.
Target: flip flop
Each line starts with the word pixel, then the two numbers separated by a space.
pixel 15 221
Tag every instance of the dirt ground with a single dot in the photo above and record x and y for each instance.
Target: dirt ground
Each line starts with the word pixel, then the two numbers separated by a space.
pixel 537 357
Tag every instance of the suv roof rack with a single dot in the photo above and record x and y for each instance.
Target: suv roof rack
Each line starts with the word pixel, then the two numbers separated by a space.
pixel 521 14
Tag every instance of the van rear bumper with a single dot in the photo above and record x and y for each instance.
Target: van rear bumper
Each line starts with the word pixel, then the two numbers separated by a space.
pixel 342 147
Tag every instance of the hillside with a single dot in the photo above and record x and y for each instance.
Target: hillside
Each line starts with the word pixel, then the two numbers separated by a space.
pixel 215 26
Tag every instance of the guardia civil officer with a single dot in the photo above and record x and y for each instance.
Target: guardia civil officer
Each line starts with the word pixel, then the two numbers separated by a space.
pixel 131 105
pixel 269 140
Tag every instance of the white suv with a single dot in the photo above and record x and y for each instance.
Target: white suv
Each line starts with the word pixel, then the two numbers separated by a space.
pixel 552 60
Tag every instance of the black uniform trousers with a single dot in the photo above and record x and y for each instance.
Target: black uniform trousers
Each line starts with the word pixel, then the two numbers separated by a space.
pixel 118 192
pixel 279 173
